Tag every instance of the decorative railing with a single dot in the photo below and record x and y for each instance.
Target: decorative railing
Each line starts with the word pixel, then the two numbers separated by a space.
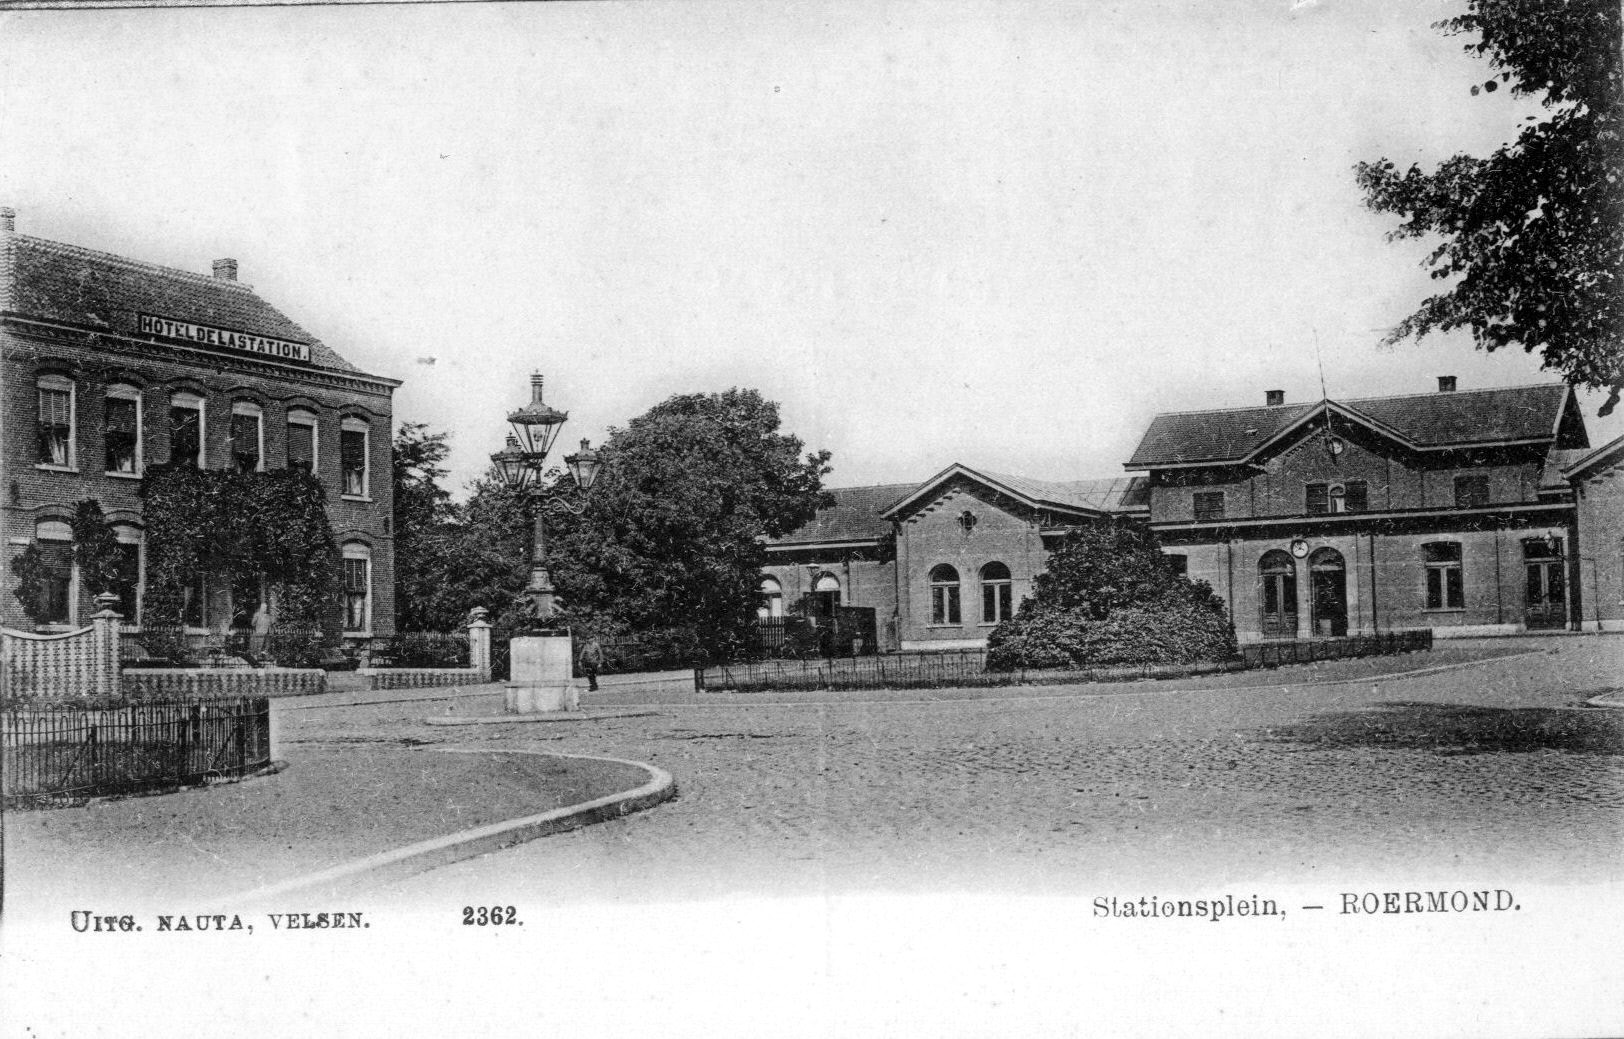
pixel 58 754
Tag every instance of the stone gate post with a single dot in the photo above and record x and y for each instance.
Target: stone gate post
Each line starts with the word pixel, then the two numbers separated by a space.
pixel 479 642
pixel 104 636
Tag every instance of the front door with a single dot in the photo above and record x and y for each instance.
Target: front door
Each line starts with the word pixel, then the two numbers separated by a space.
pixel 1547 605
pixel 1278 595
pixel 1546 600
pixel 1330 591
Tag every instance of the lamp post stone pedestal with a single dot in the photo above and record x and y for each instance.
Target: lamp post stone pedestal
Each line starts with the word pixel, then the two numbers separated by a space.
pixel 542 676
pixel 542 665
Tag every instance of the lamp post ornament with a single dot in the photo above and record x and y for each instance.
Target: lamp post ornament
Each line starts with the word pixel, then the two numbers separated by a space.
pixel 520 462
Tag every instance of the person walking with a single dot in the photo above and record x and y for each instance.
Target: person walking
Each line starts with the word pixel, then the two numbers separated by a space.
pixel 591 661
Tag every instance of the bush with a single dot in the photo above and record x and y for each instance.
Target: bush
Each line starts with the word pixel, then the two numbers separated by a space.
pixel 1109 598
pixel 1176 630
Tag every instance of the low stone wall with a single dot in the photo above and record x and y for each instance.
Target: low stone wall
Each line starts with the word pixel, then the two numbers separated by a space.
pixel 422 677
pixel 167 682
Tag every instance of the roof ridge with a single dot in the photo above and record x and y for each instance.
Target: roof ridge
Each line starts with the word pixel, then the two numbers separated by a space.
pixel 146 265
pixel 1351 400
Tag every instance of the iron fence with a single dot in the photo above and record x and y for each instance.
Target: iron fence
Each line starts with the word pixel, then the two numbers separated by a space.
pixel 56 755
pixel 412 649
pixel 968 668
pixel 161 645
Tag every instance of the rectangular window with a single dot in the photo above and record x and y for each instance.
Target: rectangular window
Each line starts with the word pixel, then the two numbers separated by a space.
pixel 301 447
pixel 1319 499
pixel 1179 562
pixel 1471 491
pixel 127 581
pixel 245 442
pixel 1445 587
pixel 944 604
pixel 56 425
pixel 193 602
pixel 356 587
pixel 186 435
pixel 352 459
pixel 56 602
pixel 121 433
pixel 1355 496
pixel 1209 505
pixel 996 602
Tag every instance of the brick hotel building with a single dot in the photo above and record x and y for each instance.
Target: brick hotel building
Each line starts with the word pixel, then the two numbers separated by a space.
pixel 109 365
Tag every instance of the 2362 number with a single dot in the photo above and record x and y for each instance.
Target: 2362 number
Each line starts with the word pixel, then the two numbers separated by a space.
pixel 489 916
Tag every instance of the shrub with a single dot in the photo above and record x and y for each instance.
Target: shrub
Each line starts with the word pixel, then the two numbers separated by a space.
pixel 1110 598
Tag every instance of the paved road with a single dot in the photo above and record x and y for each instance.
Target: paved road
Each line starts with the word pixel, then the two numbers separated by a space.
pixel 1493 771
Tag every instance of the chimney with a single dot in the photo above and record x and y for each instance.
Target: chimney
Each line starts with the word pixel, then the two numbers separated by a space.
pixel 1274 398
pixel 8 228
pixel 226 269
pixel 8 219
pixel 1446 384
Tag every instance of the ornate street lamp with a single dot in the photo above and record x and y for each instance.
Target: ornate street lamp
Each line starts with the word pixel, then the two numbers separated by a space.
pixel 520 463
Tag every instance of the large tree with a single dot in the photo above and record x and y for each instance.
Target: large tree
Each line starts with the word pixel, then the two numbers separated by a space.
pixel 671 543
pixel 1533 235
pixel 425 519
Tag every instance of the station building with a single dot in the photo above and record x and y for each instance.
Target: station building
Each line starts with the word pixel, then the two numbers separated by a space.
pixel 1466 512
pixel 110 365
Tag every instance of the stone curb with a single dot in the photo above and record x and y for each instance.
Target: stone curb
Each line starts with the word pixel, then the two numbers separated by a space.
pixel 522 719
pixel 442 851
pixel 1613 698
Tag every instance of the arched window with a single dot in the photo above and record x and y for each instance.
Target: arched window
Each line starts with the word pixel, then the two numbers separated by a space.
pixel 54 539
pixel 944 595
pixel 352 458
pixel 186 429
pixel 56 421
pixel 302 439
pixel 1328 576
pixel 121 430
pixel 1277 594
pixel 247 437
pixel 1445 584
pixel 997 593
pixel 127 584
pixel 772 599
pixel 357 588
pixel 825 595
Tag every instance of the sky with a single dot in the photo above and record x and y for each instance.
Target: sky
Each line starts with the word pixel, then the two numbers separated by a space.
pixel 1005 235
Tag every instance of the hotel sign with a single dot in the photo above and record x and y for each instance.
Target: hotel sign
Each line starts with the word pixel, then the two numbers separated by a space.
pixel 281 349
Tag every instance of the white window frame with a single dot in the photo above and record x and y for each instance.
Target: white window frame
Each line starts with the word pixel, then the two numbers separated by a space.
pixel 772 594
pixel 355 550
pixel 248 409
pixel 949 595
pixel 125 391
pixel 1003 604
pixel 187 399
pixel 60 383
pixel 60 532
pixel 363 427
pixel 309 419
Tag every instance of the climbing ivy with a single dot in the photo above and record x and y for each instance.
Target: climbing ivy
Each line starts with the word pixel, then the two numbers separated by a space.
pixel 95 552
pixel 231 523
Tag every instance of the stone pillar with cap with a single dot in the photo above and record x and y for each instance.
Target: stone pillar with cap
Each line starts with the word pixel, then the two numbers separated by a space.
pixel 104 637
pixel 479 642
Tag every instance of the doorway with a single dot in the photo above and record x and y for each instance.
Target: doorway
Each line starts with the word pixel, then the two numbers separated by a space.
pixel 1546 599
pixel 1277 573
pixel 1328 573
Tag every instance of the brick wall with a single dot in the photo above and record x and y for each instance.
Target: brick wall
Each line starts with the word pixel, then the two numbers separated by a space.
pixel 32 493
pixel 1601 546
pixel 165 683
pixel 933 535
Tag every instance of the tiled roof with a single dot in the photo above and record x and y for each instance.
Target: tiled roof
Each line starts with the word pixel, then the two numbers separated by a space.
pixel 1115 494
pixel 89 289
pixel 1423 419
pixel 855 515
pixel 1556 460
